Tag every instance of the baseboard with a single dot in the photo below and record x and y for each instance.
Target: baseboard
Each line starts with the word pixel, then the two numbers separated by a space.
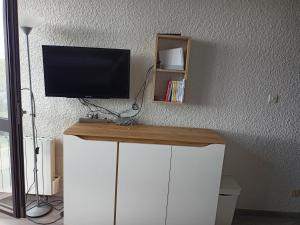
pixel 252 212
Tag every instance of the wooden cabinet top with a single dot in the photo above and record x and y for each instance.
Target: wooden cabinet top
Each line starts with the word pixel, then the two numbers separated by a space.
pixel 145 134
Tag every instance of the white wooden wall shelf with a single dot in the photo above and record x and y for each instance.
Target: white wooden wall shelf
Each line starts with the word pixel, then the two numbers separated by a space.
pixel 141 175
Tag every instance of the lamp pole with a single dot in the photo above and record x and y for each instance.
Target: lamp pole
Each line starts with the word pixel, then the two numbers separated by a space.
pixel 39 209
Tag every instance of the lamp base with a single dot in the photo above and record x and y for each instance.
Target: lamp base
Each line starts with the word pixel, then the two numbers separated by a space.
pixel 38 210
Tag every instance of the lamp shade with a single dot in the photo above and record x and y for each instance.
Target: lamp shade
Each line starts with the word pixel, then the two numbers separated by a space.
pixel 29 21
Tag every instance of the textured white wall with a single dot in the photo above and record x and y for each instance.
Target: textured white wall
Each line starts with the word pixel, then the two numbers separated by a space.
pixel 242 51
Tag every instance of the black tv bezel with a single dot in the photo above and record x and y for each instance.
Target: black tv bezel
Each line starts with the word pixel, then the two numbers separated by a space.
pixel 101 95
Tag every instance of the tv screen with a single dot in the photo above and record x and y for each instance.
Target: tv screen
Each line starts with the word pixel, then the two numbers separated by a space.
pixel 78 72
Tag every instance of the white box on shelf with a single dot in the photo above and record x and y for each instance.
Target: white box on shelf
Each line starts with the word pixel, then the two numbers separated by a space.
pixel 171 59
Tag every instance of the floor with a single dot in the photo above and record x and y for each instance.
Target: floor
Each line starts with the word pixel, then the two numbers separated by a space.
pixel 264 220
pixel 240 220
pixel 4 195
pixel 54 215
pixel 7 220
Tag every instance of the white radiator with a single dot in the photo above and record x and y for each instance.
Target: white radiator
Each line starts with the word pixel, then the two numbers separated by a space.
pixel 48 183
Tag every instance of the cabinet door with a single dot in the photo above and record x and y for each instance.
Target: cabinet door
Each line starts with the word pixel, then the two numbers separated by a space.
pixel 89 181
pixel 194 184
pixel 142 184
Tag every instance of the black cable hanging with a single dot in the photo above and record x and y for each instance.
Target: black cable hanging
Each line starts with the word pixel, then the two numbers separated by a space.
pixel 123 120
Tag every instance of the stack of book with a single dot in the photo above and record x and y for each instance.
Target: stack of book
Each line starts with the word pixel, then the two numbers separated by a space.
pixel 175 91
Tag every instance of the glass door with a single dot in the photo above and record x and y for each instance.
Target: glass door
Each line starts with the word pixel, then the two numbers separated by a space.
pixel 6 202
pixel 12 198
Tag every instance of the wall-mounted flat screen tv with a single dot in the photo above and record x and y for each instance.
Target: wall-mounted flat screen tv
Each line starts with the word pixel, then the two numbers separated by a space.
pixel 79 72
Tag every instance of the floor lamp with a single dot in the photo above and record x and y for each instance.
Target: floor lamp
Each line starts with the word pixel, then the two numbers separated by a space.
pixel 40 208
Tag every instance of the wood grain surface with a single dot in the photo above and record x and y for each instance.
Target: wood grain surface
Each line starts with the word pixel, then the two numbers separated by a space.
pixel 145 134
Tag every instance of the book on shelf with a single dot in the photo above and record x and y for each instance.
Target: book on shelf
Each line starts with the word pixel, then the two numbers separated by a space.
pixel 168 94
pixel 175 91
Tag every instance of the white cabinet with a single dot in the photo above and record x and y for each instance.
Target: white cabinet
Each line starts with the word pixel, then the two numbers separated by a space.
pixel 142 184
pixel 194 184
pixel 89 175
pixel 156 184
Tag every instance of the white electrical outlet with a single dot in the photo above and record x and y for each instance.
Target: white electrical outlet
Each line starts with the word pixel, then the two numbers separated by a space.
pixel 272 99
